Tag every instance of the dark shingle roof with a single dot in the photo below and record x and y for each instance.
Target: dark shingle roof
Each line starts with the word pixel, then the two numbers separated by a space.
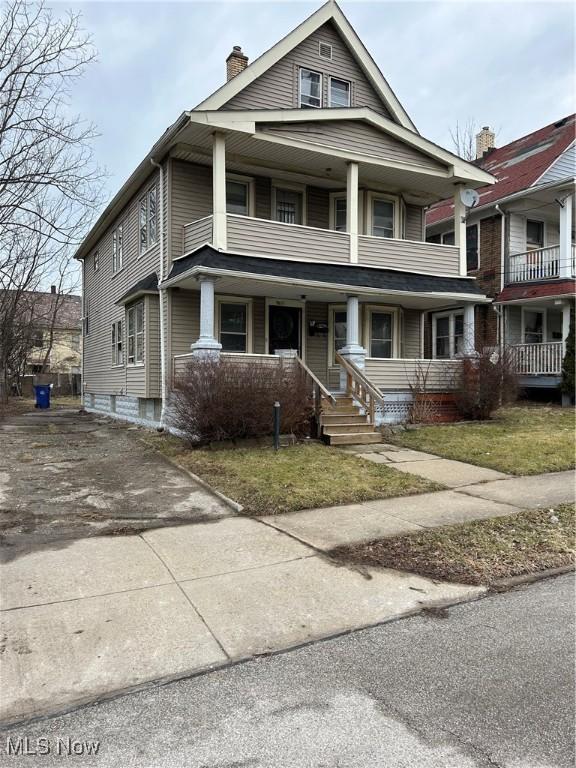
pixel 335 274
pixel 148 284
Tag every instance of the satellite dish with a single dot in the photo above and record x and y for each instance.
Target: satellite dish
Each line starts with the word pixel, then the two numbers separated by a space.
pixel 469 197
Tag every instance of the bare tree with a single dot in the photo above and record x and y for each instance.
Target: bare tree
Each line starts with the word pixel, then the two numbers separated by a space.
pixel 464 139
pixel 50 186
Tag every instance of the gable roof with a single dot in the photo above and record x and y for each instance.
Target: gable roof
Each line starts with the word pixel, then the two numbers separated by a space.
pixel 328 12
pixel 517 166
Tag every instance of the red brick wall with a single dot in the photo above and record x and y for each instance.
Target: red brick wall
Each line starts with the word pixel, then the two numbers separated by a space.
pixel 488 276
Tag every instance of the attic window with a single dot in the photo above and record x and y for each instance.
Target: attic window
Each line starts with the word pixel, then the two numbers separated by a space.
pixel 324 50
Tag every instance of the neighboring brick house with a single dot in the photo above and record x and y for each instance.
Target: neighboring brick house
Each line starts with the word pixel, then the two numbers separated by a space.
pixel 520 246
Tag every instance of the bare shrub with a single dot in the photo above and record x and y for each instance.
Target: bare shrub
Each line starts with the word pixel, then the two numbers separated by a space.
pixel 431 403
pixel 223 399
pixel 489 381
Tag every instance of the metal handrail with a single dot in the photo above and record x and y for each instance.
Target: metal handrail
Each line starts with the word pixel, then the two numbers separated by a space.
pixel 356 373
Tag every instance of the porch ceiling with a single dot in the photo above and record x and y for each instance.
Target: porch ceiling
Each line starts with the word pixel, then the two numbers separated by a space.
pixel 246 153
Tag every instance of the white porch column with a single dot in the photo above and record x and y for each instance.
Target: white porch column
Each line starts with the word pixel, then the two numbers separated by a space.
pixel 469 330
pixel 460 230
pixel 353 351
pixel 219 190
pixel 207 343
pixel 566 237
pixel 352 209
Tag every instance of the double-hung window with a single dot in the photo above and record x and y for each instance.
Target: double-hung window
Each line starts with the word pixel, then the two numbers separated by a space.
pixel 118 248
pixel 534 235
pixel 339 213
pixel 135 335
pixel 117 340
pixel 381 334
pixel 310 89
pixel 382 217
pixel 234 325
pixel 448 335
pixel 339 93
pixel 472 248
pixel 238 197
pixel 338 324
pixel 148 219
pixel 289 205
pixel 533 322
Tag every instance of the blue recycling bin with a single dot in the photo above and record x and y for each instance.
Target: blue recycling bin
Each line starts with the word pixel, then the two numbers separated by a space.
pixel 42 392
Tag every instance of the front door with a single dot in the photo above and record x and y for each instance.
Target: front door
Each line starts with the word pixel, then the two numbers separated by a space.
pixel 284 328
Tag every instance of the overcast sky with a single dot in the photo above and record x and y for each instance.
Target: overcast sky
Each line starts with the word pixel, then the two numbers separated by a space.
pixel 509 65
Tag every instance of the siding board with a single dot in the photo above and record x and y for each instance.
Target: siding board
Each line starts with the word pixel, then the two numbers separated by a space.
pixel 277 88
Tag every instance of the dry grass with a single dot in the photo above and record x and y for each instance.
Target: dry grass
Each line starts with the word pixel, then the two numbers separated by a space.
pixel 521 440
pixel 298 477
pixel 479 552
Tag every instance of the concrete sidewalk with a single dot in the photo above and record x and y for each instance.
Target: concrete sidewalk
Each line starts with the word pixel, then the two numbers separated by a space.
pixel 335 526
pixel 109 614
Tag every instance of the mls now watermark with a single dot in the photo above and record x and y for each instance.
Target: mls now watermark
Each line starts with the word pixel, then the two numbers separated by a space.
pixel 23 746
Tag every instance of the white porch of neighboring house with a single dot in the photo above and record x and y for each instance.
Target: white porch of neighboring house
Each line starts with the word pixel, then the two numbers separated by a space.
pixel 536 333
pixel 541 236
pixel 386 340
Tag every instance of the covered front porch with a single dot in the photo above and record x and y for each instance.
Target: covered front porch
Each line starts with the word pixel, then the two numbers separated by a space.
pixel 536 332
pixel 385 330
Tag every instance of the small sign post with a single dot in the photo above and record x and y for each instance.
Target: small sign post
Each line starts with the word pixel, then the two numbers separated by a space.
pixel 276 425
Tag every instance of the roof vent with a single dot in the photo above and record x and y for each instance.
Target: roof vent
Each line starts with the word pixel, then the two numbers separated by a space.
pixel 235 63
pixel 485 141
pixel 324 50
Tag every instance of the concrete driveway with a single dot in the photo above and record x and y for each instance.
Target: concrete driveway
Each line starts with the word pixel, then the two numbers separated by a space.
pixel 67 476
pixel 85 616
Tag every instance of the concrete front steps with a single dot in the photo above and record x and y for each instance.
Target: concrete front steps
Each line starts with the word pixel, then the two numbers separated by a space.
pixel 343 424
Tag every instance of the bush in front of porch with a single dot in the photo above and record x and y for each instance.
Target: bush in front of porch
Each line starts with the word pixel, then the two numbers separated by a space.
pixel 227 399
pixel 520 440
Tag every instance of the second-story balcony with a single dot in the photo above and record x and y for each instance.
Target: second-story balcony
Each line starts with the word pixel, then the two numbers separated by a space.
pixel 263 237
pixel 541 264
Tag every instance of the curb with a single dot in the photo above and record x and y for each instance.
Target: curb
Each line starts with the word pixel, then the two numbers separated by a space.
pixel 502 585
pixel 238 508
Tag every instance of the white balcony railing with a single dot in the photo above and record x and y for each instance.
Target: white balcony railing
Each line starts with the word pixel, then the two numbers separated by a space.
pixel 540 264
pixel 539 359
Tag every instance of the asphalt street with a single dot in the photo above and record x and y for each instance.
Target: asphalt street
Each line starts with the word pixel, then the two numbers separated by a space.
pixel 489 683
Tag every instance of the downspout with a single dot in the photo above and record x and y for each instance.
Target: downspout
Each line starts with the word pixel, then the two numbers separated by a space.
pixel 162 295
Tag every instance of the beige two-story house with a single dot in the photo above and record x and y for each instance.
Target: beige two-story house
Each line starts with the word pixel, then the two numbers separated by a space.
pixel 284 215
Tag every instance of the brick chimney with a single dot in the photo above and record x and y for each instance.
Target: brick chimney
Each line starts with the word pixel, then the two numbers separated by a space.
pixel 235 63
pixel 485 141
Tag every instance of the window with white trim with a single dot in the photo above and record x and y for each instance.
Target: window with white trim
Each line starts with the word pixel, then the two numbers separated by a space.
pixel 383 213
pixel 533 326
pixel 135 334
pixel 381 334
pixel 148 219
pixel 338 93
pixel 238 197
pixel 117 344
pixel 337 326
pixel 288 205
pixel 234 325
pixel 339 213
pixel 310 89
pixel 447 335
pixel 118 248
